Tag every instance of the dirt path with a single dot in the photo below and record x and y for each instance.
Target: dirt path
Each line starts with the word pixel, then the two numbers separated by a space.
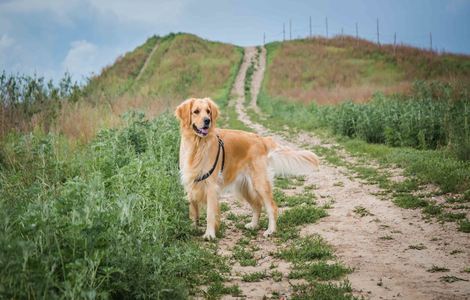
pixel 392 250
pixel 147 60
pixel 234 237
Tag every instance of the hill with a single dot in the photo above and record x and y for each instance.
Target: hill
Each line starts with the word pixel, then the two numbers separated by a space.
pixel 179 65
pixel 152 78
pixel 342 68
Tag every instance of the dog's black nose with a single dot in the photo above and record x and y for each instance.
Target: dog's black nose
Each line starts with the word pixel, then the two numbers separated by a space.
pixel 207 121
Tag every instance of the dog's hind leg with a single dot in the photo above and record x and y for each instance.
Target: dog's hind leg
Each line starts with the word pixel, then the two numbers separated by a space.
pixel 244 190
pixel 271 209
pixel 255 204
pixel 263 190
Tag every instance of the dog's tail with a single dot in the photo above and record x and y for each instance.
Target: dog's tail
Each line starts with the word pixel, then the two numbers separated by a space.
pixel 287 161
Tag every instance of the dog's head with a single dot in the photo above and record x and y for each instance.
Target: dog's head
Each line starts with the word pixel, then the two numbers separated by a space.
pixel 197 116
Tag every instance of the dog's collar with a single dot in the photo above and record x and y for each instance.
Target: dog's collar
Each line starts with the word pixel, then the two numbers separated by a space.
pixel 206 175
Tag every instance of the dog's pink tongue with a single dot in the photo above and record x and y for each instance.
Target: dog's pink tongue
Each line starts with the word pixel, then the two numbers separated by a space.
pixel 204 131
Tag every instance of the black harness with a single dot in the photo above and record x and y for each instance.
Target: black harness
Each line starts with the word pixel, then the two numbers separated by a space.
pixel 206 175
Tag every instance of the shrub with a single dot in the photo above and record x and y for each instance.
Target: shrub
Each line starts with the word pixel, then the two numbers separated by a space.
pixel 433 117
pixel 27 102
pixel 107 221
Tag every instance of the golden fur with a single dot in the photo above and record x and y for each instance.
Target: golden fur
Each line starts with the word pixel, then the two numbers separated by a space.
pixel 251 161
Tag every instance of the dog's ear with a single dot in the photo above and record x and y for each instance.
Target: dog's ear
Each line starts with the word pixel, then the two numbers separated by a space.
pixel 214 110
pixel 183 112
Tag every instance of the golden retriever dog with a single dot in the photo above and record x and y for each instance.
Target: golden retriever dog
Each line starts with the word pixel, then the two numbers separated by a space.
pixel 213 159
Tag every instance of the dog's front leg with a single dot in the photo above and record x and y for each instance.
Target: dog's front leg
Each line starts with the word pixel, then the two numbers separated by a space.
pixel 194 211
pixel 195 196
pixel 212 214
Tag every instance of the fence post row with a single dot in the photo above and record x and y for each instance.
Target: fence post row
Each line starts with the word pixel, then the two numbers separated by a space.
pixel 326 24
pixel 283 32
pixel 378 36
pixel 290 29
pixel 310 33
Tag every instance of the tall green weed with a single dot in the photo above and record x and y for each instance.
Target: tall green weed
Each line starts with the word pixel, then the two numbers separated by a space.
pixel 109 221
pixel 433 117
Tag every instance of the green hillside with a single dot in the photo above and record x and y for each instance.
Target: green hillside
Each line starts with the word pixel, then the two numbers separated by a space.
pixel 181 65
pixel 117 78
pixel 343 68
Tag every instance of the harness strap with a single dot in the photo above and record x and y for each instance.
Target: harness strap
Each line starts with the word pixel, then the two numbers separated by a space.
pixel 206 175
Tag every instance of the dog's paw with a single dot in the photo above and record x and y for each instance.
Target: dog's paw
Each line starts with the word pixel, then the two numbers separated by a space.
pixel 268 233
pixel 251 226
pixel 208 236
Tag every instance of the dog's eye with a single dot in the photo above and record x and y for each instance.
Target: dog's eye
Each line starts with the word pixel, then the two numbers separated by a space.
pixel 208 112
pixel 196 111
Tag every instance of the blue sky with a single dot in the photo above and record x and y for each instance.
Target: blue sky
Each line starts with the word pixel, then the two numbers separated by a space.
pixel 50 37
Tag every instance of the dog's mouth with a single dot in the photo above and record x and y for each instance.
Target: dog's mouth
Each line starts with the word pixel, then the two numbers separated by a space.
pixel 201 131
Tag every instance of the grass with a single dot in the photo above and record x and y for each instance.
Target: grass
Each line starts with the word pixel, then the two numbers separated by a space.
pixel 407 185
pixel 309 256
pixel 451 217
pixel 254 277
pixel 464 226
pixel 433 210
pixel 417 247
pixel 300 215
pixel 230 120
pixel 362 211
pixel 326 291
pixel 283 200
pixel 243 256
pixel 276 276
pixel 329 71
pixel 107 219
pixel 435 269
pixel 319 271
pixel 451 279
pixel 428 166
pixel 407 200
pixel 306 249
pixel 289 182
pixel 217 289
pixel 249 76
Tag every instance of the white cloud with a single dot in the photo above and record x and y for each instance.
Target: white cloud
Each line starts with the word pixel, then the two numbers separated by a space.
pixel 85 58
pixel 6 45
pixel 142 11
pixel 61 9
pixel 151 12
pixel 5 42
pixel 82 58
